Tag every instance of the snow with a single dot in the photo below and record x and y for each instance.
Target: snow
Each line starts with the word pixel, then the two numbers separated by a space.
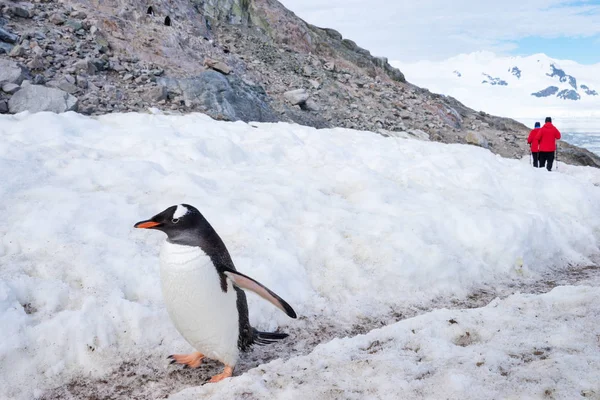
pixel 180 211
pixel 514 100
pixel 523 347
pixel 346 226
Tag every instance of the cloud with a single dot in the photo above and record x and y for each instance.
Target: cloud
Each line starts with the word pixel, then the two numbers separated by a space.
pixel 435 29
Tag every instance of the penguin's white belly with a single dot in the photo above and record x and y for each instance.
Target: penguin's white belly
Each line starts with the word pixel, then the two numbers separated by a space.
pixel 205 316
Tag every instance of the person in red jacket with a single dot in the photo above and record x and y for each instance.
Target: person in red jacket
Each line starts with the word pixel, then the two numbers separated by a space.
pixel 547 136
pixel 535 145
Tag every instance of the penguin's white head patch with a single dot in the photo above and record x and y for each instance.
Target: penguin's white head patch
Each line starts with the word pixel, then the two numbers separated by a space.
pixel 180 211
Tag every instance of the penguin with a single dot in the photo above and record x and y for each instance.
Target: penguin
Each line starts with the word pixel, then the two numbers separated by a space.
pixel 203 291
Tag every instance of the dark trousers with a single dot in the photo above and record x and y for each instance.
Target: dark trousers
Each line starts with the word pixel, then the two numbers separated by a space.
pixel 546 159
pixel 536 157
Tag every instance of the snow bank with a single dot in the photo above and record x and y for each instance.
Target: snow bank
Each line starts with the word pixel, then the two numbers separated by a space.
pixel 524 347
pixel 340 223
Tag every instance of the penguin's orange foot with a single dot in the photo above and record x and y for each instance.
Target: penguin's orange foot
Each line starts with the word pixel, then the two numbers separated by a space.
pixel 227 373
pixel 188 360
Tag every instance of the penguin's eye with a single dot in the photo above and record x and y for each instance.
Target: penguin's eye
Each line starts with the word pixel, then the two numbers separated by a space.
pixel 175 220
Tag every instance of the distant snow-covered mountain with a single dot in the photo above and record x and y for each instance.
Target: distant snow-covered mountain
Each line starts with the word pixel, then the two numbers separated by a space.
pixel 524 88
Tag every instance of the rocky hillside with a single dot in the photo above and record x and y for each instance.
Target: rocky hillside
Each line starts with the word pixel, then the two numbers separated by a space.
pixel 232 59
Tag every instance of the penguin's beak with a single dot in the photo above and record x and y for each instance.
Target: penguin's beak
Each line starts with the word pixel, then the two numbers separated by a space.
pixel 147 224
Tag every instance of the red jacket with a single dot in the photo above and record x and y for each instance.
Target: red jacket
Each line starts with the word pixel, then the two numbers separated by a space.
pixel 532 140
pixel 547 136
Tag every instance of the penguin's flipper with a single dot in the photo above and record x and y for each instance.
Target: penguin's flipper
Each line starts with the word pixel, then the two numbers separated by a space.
pixel 245 282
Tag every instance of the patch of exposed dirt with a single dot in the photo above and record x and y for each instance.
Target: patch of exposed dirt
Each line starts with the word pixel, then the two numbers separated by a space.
pixel 152 380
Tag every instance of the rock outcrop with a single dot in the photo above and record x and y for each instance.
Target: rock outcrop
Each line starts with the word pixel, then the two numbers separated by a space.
pixel 221 97
pixel 37 98
pixel 231 59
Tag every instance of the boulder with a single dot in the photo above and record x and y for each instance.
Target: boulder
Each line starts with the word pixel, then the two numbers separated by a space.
pixel 100 40
pixel 17 51
pixel 78 15
pixel 3 107
pixel 476 139
pixel 298 96
pixel 155 94
pixel 6 36
pixel 217 66
pixel 35 98
pixel 11 72
pixel 36 63
pixel 310 105
pixel 64 85
pixel 75 24
pixel 22 10
pixel 222 97
pixel 419 134
pixel 86 66
pixel 329 66
pixel 58 19
pixel 10 88
pixel 5 48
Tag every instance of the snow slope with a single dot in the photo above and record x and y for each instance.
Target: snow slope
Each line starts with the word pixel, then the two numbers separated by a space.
pixel 504 86
pixel 344 225
pixel 524 347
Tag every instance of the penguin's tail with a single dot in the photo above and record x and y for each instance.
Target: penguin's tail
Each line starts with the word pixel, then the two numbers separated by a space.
pixel 263 338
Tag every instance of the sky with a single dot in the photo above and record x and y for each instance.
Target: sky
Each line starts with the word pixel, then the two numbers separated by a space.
pixel 435 30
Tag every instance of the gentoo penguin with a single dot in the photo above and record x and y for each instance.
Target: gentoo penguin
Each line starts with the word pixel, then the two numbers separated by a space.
pixel 203 291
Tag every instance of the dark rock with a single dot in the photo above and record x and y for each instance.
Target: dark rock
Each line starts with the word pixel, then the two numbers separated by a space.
pixel 577 156
pixel 21 11
pixel 587 90
pixel 494 81
pixel 36 98
pixel 223 97
pixel 3 107
pixel 99 63
pixel 549 91
pixel 310 105
pixel 6 36
pixel 568 94
pixel 39 79
pixel 332 33
pixel 351 45
pixel 562 76
pixel 5 48
pixel 516 72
